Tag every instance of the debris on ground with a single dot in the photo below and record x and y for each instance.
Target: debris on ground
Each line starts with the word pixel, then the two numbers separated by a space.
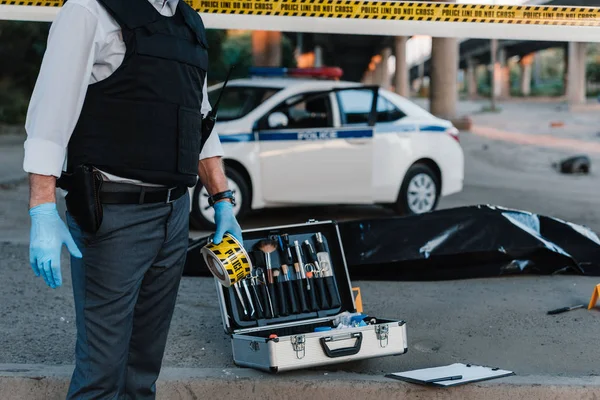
pixel 580 164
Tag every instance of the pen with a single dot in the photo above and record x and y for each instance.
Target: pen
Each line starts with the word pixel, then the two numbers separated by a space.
pixel 446 378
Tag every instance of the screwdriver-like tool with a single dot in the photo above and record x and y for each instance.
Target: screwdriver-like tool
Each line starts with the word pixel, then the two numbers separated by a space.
pixel 301 263
pixel 247 290
pixel 318 275
pixel 565 309
pixel 240 297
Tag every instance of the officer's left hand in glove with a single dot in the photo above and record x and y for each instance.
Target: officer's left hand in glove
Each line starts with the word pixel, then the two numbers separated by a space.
pixel 226 222
pixel 48 234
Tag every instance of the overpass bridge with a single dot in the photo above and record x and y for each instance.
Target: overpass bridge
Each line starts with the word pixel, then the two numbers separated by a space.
pixel 473 52
pixel 354 54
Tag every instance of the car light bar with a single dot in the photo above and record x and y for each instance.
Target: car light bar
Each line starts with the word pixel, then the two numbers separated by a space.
pixel 319 72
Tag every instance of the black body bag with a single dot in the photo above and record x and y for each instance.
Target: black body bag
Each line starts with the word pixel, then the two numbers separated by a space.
pixel 83 196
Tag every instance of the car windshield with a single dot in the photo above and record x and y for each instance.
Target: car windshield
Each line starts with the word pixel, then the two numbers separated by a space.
pixel 238 101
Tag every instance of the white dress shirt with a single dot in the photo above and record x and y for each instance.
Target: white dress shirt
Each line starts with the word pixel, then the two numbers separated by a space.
pixel 85 45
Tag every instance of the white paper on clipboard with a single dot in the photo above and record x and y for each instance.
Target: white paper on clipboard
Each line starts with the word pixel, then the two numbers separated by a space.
pixel 435 376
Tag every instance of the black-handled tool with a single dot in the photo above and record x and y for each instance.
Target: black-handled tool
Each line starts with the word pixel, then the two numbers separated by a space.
pixel 240 298
pixel 565 309
pixel 317 274
pixel 320 245
pixel 334 296
pixel 312 299
pixel 251 302
pixel 267 247
pixel 325 267
pixel 286 263
pixel 290 289
pixel 282 303
pixel 300 277
pixel 323 301
pixel 257 300
pixel 312 274
pixel 301 296
pixel 300 263
pixel 264 293
pixel 310 254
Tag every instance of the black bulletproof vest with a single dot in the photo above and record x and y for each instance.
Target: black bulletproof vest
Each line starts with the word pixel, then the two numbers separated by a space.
pixel 144 122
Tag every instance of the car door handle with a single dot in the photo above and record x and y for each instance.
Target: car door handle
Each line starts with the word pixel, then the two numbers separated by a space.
pixel 357 141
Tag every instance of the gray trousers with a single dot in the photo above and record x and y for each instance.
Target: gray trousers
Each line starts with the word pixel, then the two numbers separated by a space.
pixel 125 287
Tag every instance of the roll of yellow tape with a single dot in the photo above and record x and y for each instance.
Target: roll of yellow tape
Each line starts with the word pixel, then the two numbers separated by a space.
pixel 228 260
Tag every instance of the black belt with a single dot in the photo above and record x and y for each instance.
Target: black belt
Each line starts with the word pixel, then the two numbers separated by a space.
pixel 125 193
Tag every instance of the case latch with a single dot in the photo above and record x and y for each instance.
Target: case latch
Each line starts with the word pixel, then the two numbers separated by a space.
pixel 298 343
pixel 382 332
pixel 254 345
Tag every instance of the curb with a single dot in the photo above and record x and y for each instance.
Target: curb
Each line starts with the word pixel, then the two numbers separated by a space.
pixel 32 382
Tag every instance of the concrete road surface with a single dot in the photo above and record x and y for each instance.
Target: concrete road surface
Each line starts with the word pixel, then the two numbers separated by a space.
pixel 500 322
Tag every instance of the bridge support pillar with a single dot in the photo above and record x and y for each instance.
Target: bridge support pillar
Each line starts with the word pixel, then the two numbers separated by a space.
pixel 443 88
pixel 266 48
pixel 382 72
pixel 318 56
pixel 504 71
pixel 500 73
pixel 526 72
pixel 576 73
pixel 401 74
pixel 471 79
pixel 378 71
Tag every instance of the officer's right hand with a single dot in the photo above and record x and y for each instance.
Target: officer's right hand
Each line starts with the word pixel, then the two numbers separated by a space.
pixel 48 234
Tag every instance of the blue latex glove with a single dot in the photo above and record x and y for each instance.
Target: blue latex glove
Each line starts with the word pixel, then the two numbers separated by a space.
pixel 226 222
pixel 48 233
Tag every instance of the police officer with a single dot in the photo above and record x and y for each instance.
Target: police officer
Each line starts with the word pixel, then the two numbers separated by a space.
pixel 120 96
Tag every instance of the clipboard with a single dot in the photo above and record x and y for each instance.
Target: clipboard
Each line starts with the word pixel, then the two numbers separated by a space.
pixel 450 375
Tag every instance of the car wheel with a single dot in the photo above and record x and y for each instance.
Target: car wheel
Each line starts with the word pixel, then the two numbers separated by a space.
pixel 203 216
pixel 420 191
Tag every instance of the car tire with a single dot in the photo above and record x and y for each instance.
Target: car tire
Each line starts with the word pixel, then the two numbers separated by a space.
pixel 202 215
pixel 420 191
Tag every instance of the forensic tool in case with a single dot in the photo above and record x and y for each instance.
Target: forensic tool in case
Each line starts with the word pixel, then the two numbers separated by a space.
pixel 317 272
pixel 306 313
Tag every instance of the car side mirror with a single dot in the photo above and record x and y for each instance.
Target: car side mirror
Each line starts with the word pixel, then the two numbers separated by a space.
pixel 278 120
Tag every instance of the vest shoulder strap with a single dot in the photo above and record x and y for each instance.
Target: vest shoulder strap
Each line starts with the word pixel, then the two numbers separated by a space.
pixel 193 21
pixel 130 14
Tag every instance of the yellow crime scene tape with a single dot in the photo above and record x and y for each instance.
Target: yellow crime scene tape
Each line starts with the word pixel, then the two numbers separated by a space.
pixel 228 261
pixel 388 10
pixel 407 11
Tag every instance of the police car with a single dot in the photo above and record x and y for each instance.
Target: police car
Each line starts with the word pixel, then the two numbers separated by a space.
pixel 291 140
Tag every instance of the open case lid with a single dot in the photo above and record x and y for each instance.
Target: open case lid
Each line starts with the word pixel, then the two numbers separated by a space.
pixel 230 313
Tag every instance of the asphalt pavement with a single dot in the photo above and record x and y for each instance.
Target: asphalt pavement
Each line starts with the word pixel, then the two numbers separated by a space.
pixel 498 322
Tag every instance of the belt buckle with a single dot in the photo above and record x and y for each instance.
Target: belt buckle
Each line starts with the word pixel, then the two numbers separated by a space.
pixel 169 195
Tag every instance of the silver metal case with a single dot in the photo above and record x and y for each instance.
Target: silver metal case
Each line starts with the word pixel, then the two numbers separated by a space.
pixel 291 343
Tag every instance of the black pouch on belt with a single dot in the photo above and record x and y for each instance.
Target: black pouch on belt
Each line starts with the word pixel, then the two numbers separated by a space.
pixel 83 196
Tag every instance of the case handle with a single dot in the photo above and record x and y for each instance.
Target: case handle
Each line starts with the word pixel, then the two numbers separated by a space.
pixel 344 351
